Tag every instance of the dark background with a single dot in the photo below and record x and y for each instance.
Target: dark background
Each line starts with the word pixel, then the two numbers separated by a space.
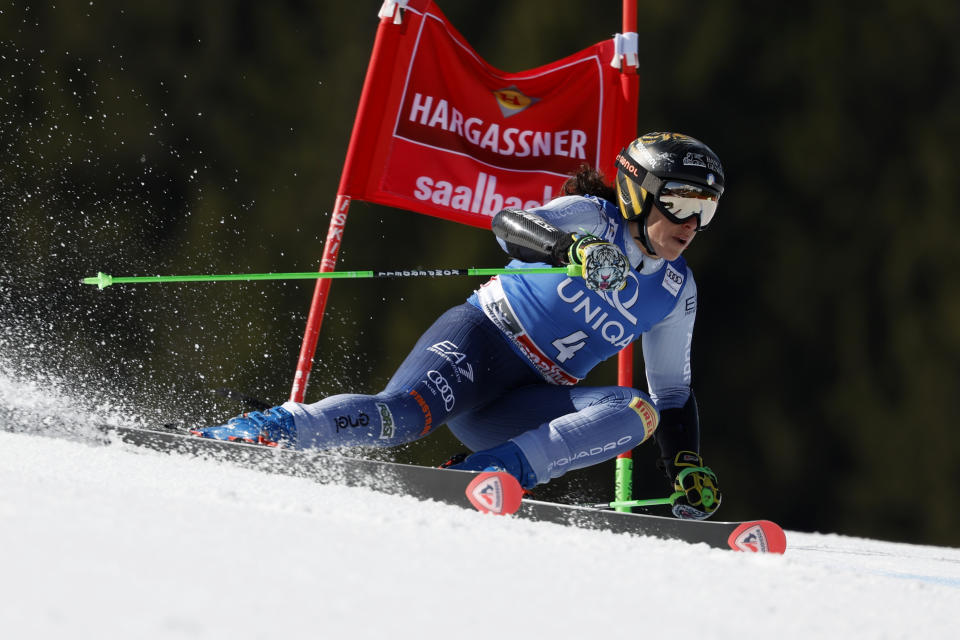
pixel 183 137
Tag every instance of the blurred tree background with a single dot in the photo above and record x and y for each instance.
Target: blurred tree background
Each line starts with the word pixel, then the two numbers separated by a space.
pixel 183 137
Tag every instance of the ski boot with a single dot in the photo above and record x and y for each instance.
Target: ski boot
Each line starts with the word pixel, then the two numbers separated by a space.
pixel 271 427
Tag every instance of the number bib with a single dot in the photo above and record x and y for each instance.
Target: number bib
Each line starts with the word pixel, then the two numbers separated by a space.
pixel 565 329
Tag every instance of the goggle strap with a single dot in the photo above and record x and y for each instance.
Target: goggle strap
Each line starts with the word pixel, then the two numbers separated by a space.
pixel 652 183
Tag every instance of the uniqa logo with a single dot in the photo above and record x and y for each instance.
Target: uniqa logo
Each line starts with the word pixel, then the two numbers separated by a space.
pixel 598 319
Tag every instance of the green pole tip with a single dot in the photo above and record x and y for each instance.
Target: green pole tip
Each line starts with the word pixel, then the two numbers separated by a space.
pixel 104 280
pixel 574 270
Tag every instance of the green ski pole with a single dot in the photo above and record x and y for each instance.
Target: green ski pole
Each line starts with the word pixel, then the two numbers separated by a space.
pixel 626 505
pixel 623 484
pixel 103 280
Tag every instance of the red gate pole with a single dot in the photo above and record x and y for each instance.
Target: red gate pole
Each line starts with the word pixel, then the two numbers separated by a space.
pixel 331 249
pixel 629 85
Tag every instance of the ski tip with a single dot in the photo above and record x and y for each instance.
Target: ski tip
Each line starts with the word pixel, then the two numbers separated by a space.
pixel 758 536
pixel 495 492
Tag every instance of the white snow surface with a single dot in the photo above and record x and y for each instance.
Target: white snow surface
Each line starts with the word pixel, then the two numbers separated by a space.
pixel 116 542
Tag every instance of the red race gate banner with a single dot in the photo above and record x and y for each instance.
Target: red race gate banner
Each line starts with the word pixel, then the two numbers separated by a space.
pixel 441 132
pixel 451 136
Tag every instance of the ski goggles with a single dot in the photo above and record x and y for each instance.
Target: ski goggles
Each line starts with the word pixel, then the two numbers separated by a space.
pixel 680 201
pixel 677 200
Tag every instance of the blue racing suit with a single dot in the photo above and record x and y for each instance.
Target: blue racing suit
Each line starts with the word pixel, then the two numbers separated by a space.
pixel 504 365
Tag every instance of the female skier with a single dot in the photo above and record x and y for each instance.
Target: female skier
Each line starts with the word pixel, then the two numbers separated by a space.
pixel 501 370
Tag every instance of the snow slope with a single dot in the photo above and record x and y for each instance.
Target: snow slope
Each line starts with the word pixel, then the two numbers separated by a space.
pixel 114 542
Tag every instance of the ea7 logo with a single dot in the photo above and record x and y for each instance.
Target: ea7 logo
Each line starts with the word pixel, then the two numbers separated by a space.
pixel 448 351
pixel 443 388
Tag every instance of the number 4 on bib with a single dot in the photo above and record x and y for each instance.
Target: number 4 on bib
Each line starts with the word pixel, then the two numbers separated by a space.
pixel 568 347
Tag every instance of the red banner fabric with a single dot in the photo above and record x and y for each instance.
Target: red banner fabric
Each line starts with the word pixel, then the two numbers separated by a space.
pixel 441 132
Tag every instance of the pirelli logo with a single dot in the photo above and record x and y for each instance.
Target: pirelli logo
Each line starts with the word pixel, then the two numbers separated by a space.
pixel 648 414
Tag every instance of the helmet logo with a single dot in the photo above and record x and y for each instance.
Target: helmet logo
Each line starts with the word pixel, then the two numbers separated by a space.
pixel 694 160
pixel 512 101
pixel 628 167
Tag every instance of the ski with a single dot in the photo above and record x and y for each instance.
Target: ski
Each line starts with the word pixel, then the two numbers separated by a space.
pixel 754 536
pixel 497 493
